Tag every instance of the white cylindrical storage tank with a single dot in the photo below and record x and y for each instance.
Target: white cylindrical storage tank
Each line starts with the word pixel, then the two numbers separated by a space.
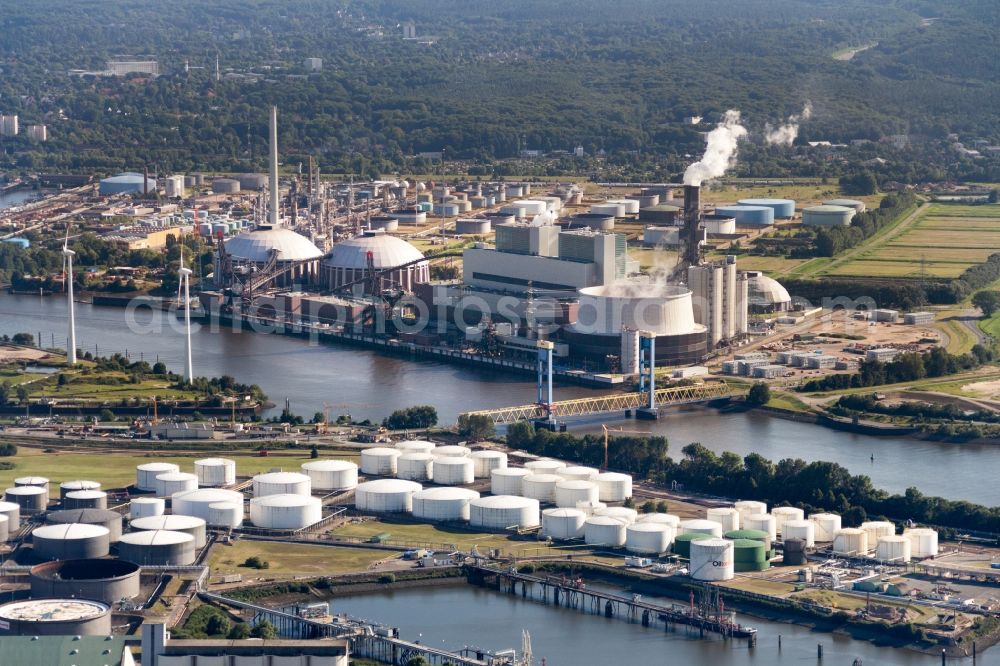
pixel 39 481
pixel 386 496
pixel 629 206
pixel 85 499
pixel 28 498
pixel 698 526
pixel 661 518
pixel 563 524
pixel 895 548
pixel 541 487
pixel 785 513
pixel 507 480
pixel 146 473
pixel 281 483
pixel 157 548
pixel 175 482
pixel 141 507
pixel 73 486
pixel 452 451
pixel 726 516
pixel 570 492
pixel 70 541
pixel 604 531
pixel 331 474
pixel 285 511
pixel 174 523
pixel 415 466
pixel 4 528
pixel 578 473
pixel 614 486
pixel 13 512
pixel 648 538
pixel 379 461
pixel 608 208
pixel 764 522
pixel 877 529
pixel 213 472
pixel 486 461
pixel 500 512
pixel 544 466
pixel 749 508
pixel 923 541
pixel 827 525
pixel 415 445
pixel 198 502
pixel 712 559
pixel 443 504
pixel 225 514
pixel 850 541
pixel 804 530
pixel 622 513
pixel 453 471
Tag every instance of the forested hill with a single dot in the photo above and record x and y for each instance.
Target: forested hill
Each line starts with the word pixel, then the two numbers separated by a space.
pixel 618 76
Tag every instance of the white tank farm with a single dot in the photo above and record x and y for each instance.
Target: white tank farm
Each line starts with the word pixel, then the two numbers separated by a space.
pixel 331 474
pixel 614 486
pixel 604 531
pixel 73 486
pixel 726 516
pixel 507 480
pixel 570 493
pixel 174 523
pixel 877 529
pixel 544 466
pixel 805 530
pixel 175 482
pixel 784 513
pixel 157 548
pixel 648 538
pixel 379 461
pixel 578 473
pixel 827 525
pixel 70 541
pixel 4 528
pixel 443 504
pixel 29 498
pixel 214 472
pixel 13 513
pixel 453 471
pixel 712 560
pixel 764 522
pixel 698 526
pixel 563 524
pixel 285 511
pixel 501 512
pixel 541 487
pixel 590 508
pixel 225 514
pixel 895 548
pixel 198 502
pixel 622 513
pixel 146 473
pixel 749 508
pixel 452 451
pixel 415 466
pixel 486 461
pixel 421 445
pixel 850 541
pixel 661 518
pixel 39 481
pixel 386 496
pixel 281 483
pixel 923 541
pixel 141 507
pixel 86 499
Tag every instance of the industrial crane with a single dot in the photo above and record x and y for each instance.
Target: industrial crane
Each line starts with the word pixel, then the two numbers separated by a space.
pixel 606 429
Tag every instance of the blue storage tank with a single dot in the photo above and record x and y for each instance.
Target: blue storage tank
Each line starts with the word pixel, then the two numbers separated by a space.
pixel 446 209
pixel 425 206
pixel 783 208
pixel 22 242
pixel 748 216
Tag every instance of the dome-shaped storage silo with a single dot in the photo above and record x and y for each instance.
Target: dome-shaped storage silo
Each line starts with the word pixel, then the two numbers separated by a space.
pixel 894 548
pixel 750 555
pixel 285 511
pixel 39 481
pixel 330 475
pixel 70 541
pixel 146 473
pixel 281 483
pixel 604 531
pixel 415 466
pixel 726 516
pixel 225 514
pixel 785 513
pixel 923 541
pixel 443 504
pixel 453 471
pixel 712 560
pixel 544 466
pixel 502 512
pixel 486 461
pixel 682 542
pixel 198 502
pixel 614 486
pixel 110 520
pixel 214 472
pixel 507 480
pixel 783 208
pixel 794 552
pixel 86 499
pixel 571 492
pixel 141 507
pixel 877 529
pixel 541 487
pixel 563 524
pixel 762 521
pixel 827 525
pixel 415 445
pixel 161 548
pixel 749 508
pixel 578 473
pixel 622 513
pixel 803 530
pixel 452 451
pixel 30 499
pixel 379 461
pixel 698 526
pixel 173 523
pixel 851 541
pixel 13 513
pixel 175 482
pixel 648 538
pixel 73 486
pixel 661 518
pixel 386 496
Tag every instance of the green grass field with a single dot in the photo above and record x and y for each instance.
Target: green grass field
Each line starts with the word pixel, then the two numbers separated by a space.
pixel 293 558
pixel 438 534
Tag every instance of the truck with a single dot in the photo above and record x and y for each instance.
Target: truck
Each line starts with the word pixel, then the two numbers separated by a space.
pixel 638 562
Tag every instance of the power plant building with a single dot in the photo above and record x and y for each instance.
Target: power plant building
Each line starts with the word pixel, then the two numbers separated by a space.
pixel 253 249
pixel 348 262
pixel 720 297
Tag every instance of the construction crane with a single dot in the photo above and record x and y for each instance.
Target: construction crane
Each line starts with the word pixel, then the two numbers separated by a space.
pixel 606 429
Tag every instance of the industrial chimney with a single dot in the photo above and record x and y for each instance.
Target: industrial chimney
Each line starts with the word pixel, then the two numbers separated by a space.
pixel 692 224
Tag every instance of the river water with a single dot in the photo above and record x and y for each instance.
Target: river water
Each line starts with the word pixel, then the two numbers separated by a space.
pixel 368 385
pixel 16 197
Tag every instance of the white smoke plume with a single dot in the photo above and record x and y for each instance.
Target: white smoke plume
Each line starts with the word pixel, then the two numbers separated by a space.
pixel 784 135
pixel 720 153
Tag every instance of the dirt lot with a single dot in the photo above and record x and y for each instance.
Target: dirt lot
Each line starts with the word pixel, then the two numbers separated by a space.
pixel 10 353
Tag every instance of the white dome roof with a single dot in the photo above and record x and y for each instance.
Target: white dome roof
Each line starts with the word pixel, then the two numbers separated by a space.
pixel 767 290
pixel 387 251
pixel 256 245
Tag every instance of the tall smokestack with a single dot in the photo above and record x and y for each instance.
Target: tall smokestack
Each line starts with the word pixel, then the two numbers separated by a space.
pixel 309 188
pixel 692 221
pixel 145 181
pixel 273 217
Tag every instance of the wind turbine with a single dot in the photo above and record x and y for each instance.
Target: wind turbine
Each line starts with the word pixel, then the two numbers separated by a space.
pixel 185 279
pixel 68 281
